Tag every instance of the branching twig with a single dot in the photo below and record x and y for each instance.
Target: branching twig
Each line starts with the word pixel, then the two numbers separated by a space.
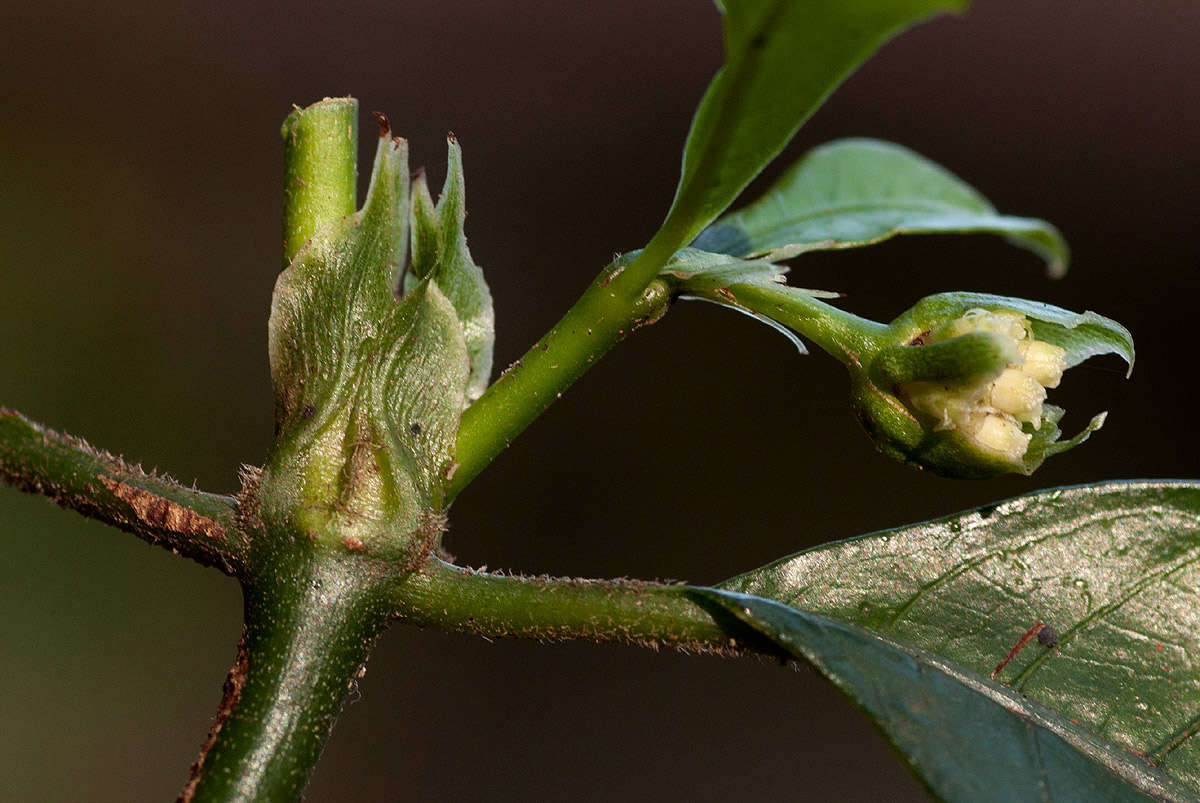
pixel 101 486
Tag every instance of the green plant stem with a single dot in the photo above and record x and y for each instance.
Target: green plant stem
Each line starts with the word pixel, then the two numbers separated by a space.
pixel 631 612
pixel 843 335
pixel 310 623
pixel 612 306
pixel 320 162
pixel 101 486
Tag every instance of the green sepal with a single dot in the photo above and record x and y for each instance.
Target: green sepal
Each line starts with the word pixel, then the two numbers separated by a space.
pixel 1046 441
pixel 901 434
pixel 1081 334
pixel 439 250
pixel 368 389
pixel 424 223
pixel 898 433
pixel 961 360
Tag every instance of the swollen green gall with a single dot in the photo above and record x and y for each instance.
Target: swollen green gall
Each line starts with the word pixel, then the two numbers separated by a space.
pixel 370 383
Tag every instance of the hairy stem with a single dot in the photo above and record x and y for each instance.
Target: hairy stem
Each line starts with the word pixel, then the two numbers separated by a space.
pixel 634 612
pixel 310 623
pixel 157 509
pixel 320 159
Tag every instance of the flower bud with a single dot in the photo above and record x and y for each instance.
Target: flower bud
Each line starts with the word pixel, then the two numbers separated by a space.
pixel 957 384
pixel 963 392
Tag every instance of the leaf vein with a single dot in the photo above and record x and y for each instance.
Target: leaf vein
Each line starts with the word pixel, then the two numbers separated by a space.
pixel 1065 638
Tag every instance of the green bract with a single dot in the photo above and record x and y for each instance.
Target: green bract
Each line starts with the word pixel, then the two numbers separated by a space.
pixel 439 250
pixel 369 389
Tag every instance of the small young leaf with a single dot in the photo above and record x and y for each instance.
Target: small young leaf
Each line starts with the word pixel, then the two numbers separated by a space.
pixel 704 270
pixel 782 59
pixel 967 738
pixel 439 250
pixel 856 192
pixel 695 275
pixel 1112 567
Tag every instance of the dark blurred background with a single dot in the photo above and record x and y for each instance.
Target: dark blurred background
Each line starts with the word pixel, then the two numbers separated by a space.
pixel 140 176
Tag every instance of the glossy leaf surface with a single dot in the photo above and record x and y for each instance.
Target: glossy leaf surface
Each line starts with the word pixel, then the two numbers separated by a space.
pixel 1114 568
pixel 856 192
pixel 967 738
pixel 782 59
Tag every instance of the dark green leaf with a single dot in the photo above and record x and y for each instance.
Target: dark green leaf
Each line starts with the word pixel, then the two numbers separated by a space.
pixel 857 192
pixel 1114 568
pixel 782 59
pixel 439 249
pixel 968 738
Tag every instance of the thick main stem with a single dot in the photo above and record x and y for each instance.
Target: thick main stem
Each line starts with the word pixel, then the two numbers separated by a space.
pixel 310 624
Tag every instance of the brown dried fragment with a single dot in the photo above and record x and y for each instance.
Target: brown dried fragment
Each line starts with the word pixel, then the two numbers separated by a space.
pixel 427 539
pixel 235 681
pixel 385 127
pixel 157 511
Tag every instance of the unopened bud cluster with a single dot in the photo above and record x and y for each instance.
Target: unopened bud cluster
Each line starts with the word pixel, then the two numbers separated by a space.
pixel 992 412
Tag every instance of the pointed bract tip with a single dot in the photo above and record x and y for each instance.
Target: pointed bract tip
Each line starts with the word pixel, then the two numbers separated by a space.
pixel 385 127
pixel 451 138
